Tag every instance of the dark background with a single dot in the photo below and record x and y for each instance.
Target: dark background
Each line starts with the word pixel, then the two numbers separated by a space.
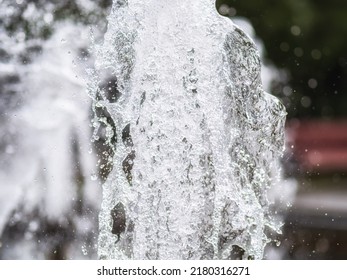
pixel 307 39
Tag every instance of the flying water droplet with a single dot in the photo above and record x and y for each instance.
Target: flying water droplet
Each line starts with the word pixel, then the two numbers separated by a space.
pixel 84 250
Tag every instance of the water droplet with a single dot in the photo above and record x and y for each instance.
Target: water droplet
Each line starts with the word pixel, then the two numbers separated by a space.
pixel 312 83
pixel 299 52
pixel 284 46
pixel 48 18
pixel 316 54
pixel 94 177
pixel 295 30
pixel 305 101
pixel 84 250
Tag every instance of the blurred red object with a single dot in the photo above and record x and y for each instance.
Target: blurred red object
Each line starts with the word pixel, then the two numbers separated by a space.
pixel 318 145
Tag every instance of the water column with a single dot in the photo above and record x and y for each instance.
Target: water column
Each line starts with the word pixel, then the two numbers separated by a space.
pixel 196 140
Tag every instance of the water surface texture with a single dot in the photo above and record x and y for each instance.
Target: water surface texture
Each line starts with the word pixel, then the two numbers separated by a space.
pixel 195 139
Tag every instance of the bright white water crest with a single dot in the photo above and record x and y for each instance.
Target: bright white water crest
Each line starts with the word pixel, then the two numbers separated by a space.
pixel 197 141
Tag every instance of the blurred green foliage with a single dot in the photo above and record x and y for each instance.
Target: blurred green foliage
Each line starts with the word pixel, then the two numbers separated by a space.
pixel 306 38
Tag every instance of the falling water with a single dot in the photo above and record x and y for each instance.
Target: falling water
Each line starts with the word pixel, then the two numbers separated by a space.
pixel 195 140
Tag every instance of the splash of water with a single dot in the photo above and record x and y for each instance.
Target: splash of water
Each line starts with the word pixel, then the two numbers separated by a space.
pixel 46 196
pixel 196 140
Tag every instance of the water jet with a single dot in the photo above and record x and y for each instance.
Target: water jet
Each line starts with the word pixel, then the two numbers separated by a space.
pixel 196 140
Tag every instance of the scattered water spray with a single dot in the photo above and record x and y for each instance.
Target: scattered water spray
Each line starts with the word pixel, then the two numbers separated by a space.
pixel 47 200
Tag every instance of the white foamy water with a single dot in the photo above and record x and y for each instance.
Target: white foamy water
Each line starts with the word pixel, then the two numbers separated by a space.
pixel 196 139
pixel 46 194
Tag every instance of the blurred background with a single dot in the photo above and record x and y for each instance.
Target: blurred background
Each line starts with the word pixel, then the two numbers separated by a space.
pixel 305 44
pixel 51 171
